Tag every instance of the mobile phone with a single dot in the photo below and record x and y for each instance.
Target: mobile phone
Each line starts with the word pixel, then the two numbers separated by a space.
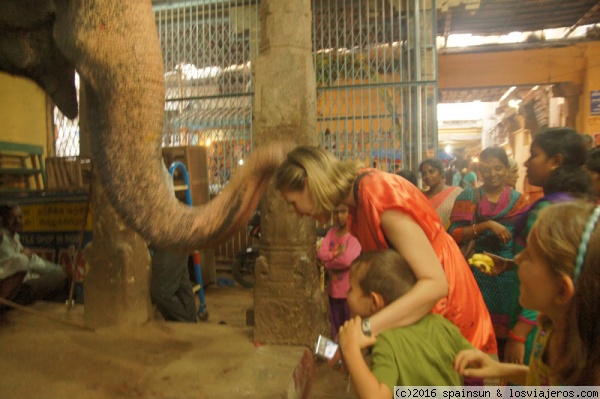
pixel 325 348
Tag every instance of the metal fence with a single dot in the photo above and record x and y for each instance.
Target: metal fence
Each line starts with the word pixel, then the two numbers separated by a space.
pixel 375 63
pixel 207 48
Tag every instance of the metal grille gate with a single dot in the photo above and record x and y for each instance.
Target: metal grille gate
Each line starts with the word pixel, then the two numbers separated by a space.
pixel 207 48
pixel 376 73
pixel 375 62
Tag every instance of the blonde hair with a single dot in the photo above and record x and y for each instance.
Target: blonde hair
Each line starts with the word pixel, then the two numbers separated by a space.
pixel 329 179
pixel 558 233
pixel 384 272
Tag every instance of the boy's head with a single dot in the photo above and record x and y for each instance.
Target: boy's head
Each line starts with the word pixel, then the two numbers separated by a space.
pixel 377 278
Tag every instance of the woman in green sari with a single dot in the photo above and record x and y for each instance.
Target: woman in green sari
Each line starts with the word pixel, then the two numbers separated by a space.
pixel 488 214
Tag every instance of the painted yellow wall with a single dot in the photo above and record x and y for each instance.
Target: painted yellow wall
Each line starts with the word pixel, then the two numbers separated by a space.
pixel 587 123
pixel 577 63
pixel 23 111
pixel 516 67
pixel 23 105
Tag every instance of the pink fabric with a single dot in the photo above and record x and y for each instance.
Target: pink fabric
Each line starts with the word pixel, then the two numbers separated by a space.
pixel 337 254
pixel 488 211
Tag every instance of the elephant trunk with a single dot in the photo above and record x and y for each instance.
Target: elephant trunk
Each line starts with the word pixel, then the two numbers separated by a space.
pixel 115 48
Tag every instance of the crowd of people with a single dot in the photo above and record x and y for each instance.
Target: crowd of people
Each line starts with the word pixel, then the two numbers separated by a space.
pixel 528 320
pixel 399 284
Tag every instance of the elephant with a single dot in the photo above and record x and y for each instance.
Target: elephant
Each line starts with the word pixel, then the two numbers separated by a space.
pixel 114 46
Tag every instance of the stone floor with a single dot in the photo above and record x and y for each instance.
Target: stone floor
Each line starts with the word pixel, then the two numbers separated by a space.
pixel 213 359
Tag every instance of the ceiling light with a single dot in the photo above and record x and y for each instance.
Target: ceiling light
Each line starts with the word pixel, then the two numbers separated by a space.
pixel 507 93
pixel 514 103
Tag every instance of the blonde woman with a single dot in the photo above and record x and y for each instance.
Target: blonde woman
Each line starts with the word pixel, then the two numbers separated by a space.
pixel 386 211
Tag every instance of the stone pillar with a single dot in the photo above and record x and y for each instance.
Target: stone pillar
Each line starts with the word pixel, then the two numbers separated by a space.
pixel 117 280
pixel 117 261
pixel 289 306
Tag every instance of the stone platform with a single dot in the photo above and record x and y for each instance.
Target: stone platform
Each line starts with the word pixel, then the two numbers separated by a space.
pixel 213 359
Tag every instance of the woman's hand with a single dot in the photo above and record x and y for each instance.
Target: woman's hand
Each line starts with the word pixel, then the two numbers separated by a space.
pixel 499 230
pixel 501 264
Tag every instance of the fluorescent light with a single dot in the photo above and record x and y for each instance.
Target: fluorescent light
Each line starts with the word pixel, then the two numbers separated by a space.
pixel 514 103
pixel 507 93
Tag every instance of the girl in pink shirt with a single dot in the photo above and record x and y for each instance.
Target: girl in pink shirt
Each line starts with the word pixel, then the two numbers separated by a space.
pixel 338 249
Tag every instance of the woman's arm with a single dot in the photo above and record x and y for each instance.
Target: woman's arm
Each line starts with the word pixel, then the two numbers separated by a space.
pixel 410 241
pixel 466 232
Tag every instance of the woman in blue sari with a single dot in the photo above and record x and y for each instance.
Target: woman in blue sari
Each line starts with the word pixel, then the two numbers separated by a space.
pixel 488 214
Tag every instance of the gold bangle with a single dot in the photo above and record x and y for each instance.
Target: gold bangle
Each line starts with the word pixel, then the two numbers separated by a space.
pixel 474 232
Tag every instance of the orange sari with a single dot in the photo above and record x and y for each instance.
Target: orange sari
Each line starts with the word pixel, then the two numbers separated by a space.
pixel 377 192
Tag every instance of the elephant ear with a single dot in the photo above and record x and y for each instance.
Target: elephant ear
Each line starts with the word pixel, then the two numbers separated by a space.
pixel 28 49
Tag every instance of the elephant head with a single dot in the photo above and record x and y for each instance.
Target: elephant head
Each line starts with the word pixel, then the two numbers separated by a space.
pixel 27 48
pixel 114 46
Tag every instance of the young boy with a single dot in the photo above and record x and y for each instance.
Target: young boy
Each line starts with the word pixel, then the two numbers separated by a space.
pixel 418 354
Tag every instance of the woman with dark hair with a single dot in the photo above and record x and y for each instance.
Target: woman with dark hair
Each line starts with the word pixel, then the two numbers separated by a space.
pixel 488 214
pixel 592 165
pixel 440 196
pixel 557 157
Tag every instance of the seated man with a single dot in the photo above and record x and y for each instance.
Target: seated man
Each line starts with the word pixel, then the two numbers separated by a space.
pixel 44 280
pixel 421 354
pixel 12 273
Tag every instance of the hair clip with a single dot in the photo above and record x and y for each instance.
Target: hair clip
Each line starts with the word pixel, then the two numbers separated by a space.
pixel 585 239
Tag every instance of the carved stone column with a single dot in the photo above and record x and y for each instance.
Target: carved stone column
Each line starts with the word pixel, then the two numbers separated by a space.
pixel 289 306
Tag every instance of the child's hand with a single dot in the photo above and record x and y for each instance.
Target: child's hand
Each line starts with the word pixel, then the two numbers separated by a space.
pixel 514 352
pixel 351 335
pixel 475 363
pixel 338 251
